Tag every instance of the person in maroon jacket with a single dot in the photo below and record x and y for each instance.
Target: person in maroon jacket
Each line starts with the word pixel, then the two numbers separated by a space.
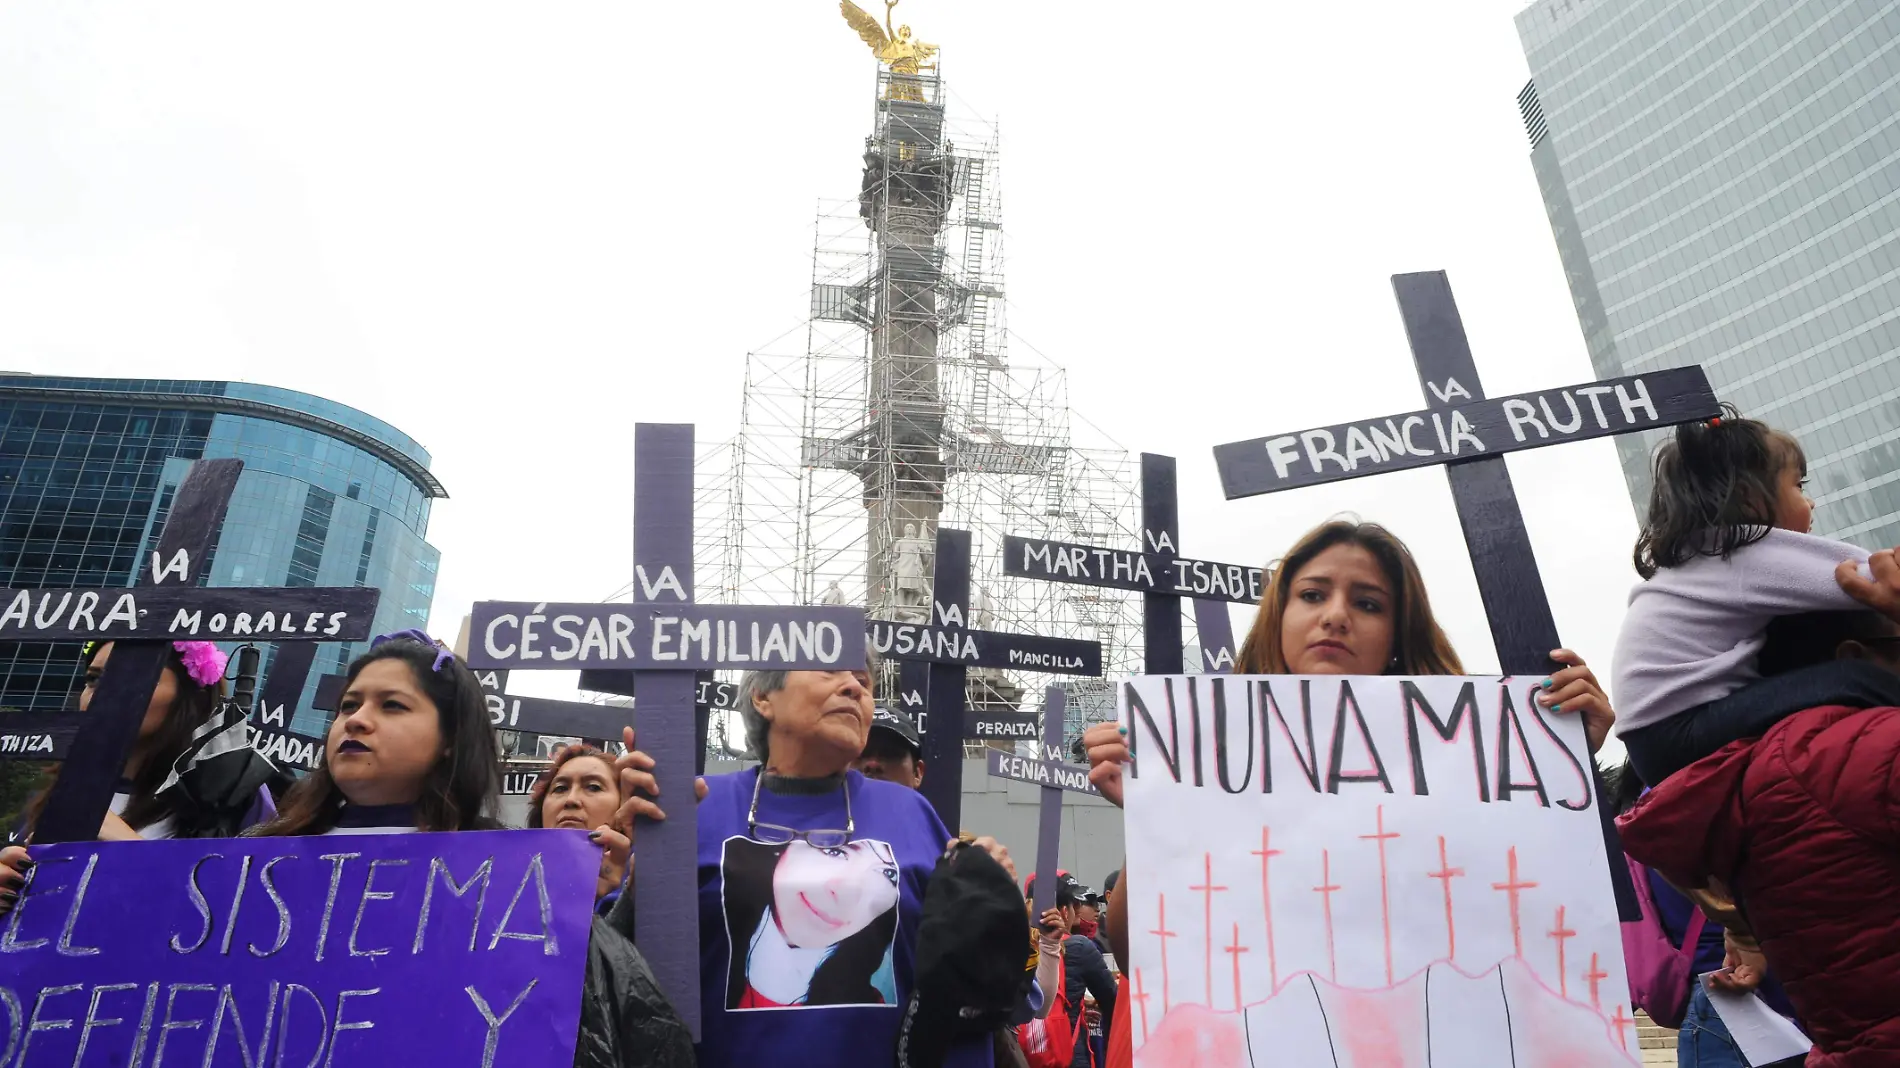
pixel 1803 826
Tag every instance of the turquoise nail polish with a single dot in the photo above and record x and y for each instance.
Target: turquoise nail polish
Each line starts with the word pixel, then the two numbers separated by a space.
pixel 1121 730
pixel 1556 708
pixel 1547 684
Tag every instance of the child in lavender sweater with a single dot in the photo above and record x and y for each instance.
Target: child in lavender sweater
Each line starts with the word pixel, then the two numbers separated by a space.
pixel 1725 548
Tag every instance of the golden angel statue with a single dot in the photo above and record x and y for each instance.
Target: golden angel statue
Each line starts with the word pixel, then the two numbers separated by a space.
pixel 894 47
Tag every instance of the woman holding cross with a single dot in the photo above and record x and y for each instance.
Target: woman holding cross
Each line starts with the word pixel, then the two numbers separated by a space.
pixel 1347 599
pixel 811 889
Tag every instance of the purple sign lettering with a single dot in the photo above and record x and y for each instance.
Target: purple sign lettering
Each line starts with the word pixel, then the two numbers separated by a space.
pixel 423 949
pixel 665 636
pixel 1041 772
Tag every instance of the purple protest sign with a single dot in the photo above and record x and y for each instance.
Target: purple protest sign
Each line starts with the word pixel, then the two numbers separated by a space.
pixel 423 949
pixel 665 636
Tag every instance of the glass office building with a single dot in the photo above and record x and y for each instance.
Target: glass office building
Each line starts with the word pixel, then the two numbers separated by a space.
pixel 329 496
pixel 1723 180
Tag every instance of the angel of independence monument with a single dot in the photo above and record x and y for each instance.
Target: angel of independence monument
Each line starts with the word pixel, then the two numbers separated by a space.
pixel 906 412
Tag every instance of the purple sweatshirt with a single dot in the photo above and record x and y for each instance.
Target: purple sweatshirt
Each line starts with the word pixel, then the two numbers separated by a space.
pixel 1692 631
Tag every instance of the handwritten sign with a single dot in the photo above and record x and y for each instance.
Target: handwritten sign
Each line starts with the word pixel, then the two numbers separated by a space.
pixel 436 949
pixel 1472 429
pixel 992 726
pixel 179 613
pixel 288 749
pixel 1414 855
pixel 1090 565
pixel 950 643
pixel 37 735
pixel 1040 772
pixel 674 637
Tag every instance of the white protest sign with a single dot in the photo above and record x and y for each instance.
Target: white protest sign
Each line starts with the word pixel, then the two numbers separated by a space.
pixel 1357 871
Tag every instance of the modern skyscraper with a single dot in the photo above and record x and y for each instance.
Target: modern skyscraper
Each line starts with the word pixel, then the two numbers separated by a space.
pixel 329 496
pixel 1723 179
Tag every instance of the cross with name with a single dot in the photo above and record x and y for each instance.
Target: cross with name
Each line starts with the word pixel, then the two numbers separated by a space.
pixel 665 639
pixel 709 695
pixel 275 710
pixel 944 650
pixel 142 621
pixel 1469 434
pixel 1158 571
pixel 1049 818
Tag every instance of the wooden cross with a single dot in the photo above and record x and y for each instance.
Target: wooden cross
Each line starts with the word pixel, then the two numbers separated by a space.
pixel 947 648
pixel 1049 829
pixel 166 605
pixel 709 695
pixel 665 640
pixel 1158 571
pixel 271 718
pixel 1468 434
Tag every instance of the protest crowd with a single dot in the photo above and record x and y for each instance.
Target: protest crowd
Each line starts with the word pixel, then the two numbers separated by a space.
pixel 1757 681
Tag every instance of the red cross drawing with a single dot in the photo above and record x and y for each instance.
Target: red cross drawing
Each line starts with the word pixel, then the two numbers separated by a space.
pixel 1513 887
pixel 1161 931
pixel 1326 888
pixel 1562 934
pixel 1385 900
pixel 1445 874
pixel 1595 976
pixel 1622 1022
pixel 1207 890
pixel 1141 1002
pixel 1235 949
pixel 1266 855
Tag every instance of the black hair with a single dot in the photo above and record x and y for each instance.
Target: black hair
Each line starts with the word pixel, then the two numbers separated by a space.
pixel 746 869
pixel 1815 638
pixel 1713 490
pixel 462 787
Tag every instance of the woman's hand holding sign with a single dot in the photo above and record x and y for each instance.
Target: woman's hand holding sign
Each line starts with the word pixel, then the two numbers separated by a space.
pixel 1575 690
pixel 634 770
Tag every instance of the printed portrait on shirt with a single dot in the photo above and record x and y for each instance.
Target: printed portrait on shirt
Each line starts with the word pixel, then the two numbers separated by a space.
pixel 809 926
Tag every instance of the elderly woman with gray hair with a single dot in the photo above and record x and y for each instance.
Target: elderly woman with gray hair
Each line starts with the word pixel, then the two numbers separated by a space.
pixel 811 883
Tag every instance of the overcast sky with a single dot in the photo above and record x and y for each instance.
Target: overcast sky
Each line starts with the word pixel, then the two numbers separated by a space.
pixel 513 230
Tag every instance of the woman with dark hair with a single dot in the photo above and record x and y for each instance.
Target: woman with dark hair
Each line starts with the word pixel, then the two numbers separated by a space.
pixel 411 749
pixel 1347 599
pixel 166 790
pixel 580 791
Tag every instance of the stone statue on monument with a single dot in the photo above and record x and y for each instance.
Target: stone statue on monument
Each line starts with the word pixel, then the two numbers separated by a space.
pixel 912 588
pixel 834 594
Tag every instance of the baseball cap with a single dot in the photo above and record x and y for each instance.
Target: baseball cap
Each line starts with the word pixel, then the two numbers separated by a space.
pixel 1069 890
pixel 896 722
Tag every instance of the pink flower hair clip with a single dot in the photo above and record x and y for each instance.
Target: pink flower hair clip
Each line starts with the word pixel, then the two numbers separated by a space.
pixel 204 662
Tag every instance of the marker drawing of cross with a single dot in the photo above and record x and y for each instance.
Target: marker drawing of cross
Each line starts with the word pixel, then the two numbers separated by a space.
pixel 1326 889
pixel 1235 949
pixel 1141 1003
pixel 1561 934
pixel 1266 854
pixel 1595 977
pixel 1514 887
pixel 1157 571
pixel 1207 890
pixel 1161 931
pixel 1381 836
pixel 666 640
pixel 1622 1022
pixel 1445 874
pixel 142 621
pixel 1468 434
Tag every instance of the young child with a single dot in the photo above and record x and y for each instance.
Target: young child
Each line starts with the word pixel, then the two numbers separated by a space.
pixel 1725 548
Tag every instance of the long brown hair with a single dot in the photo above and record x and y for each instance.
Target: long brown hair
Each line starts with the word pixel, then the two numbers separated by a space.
pixel 191 707
pixel 462 786
pixel 1419 645
pixel 538 796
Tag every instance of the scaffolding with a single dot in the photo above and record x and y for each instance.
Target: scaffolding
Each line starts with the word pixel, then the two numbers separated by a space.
pixel 906 411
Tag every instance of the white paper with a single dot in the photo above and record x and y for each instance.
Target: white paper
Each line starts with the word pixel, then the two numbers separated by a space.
pixel 1366 871
pixel 1764 1035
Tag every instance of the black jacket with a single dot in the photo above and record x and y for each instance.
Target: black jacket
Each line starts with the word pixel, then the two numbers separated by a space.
pixel 626 1022
pixel 1084 971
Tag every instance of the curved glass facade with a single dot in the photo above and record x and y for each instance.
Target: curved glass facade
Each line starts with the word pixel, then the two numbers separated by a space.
pixel 1723 177
pixel 85 487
